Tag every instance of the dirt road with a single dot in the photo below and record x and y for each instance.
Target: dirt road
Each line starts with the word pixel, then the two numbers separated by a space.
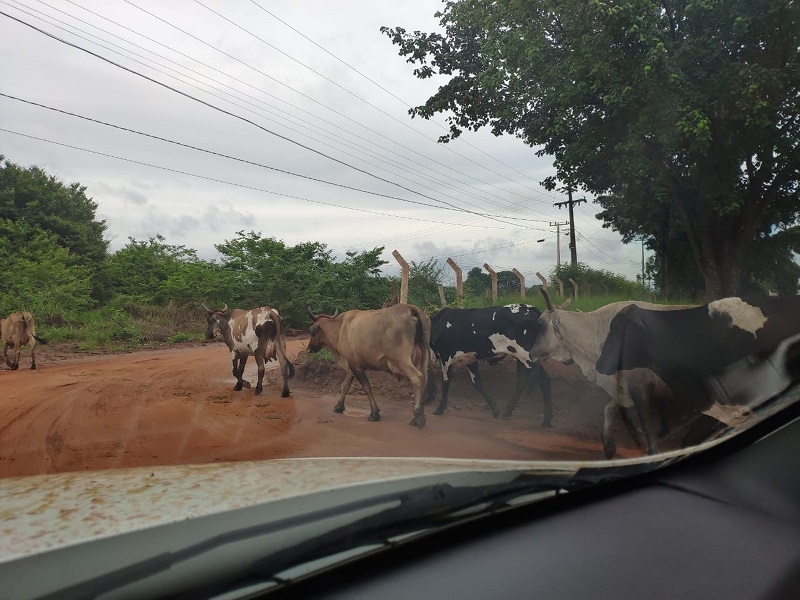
pixel 176 406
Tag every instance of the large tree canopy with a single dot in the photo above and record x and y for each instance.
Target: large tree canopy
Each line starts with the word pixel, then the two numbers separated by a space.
pixel 681 110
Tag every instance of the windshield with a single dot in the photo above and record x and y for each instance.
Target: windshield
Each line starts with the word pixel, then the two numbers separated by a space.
pixel 503 233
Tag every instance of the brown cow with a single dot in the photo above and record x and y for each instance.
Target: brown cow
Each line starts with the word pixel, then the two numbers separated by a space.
pixel 16 331
pixel 255 332
pixel 394 339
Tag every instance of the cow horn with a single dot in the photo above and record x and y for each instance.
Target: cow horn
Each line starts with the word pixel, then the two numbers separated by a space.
pixel 208 310
pixel 547 300
pixel 335 313
pixel 224 308
pixel 311 314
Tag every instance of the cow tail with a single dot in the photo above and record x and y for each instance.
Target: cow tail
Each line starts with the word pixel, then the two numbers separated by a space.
pixel 280 342
pixel 31 328
pixel 422 339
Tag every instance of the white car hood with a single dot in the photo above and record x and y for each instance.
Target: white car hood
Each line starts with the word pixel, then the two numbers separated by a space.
pixel 48 512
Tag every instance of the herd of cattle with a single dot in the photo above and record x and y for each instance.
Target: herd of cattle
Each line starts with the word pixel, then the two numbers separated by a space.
pixel 646 357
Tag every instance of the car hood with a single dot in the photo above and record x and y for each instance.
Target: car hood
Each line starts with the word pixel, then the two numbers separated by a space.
pixel 46 512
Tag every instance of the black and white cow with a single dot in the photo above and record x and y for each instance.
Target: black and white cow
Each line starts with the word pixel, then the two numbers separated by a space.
pixel 688 348
pixel 463 336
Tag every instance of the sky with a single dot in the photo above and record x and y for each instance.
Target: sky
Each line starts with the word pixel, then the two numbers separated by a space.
pixel 285 118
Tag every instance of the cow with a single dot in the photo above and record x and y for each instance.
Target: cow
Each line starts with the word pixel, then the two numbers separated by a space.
pixel 689 349
pixel 256 332
pixel 395 339
pixel 578 337
pixel 468 335
pixel 16 331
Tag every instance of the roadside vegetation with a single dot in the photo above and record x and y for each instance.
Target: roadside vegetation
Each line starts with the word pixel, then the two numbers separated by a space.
pixel 58 266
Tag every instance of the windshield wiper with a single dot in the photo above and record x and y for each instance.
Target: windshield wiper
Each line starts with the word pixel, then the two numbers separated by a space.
pixel 412 510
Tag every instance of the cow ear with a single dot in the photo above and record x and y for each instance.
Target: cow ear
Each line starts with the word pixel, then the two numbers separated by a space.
pixel 565 304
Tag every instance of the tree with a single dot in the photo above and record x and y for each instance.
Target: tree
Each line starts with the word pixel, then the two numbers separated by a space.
pixel 423 282
pixel 64 211
pixel 293 278
pixel 692 103
pixel 40 275
pixel 477 282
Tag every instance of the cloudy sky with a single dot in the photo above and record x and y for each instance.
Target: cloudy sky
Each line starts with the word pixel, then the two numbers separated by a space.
pixel 297 118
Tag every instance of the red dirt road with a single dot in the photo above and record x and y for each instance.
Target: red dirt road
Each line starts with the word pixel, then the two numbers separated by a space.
pixel 177 406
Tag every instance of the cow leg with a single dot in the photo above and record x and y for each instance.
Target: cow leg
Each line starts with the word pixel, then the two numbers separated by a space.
pixel 286 369
pixel 545 386
pixel 663 413
pixel 475 375
pixel 418 380
pixel 348 381
pixel 638 419
pixel 445 392
pixel 238 370
pixel 33 355
pixel 374 411
pixel 609 447
pixel 260 362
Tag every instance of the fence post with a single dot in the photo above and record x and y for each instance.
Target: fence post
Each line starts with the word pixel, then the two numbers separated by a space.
pixel 542 279
pixel 493 275
pixel 560 285
pixel 403 276
pixel 574 286
pixel 441 295
pixel 459 283
pixel 521 278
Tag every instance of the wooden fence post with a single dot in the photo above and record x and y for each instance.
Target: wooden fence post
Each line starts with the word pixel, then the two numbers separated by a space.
pixel 574 286
pixel 560 285
pixel 521 278
pixel 459 283
pixel 542 279
pixel 493 275
pixel 403 276
pixel 441 295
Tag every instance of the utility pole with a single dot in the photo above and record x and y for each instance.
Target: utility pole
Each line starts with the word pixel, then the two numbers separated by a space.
pixel 571 203
pixel 643 283
pixel 558 240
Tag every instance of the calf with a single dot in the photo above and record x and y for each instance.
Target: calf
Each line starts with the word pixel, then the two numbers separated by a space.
pixel 467 335
pixel 16 331
pixel 394 339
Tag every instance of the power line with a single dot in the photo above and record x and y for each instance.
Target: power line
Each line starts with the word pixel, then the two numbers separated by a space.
pixel 244 119
pixel 166 22
pixel 239 106
pixel 229 157
pixel 216 180
pixel 393 95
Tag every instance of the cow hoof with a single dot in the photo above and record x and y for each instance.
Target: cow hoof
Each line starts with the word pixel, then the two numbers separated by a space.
pixel 237 388
pixel 33 367
pixel 546 424
pixel 285 394
pixel 438 411
pixel 15 367
pixel 338 408
pixel 246 384
pixel 374 417
pixel 418 421
pixel 258 391
pixel 610 449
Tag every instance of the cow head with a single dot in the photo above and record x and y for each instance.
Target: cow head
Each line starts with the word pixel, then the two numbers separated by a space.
pixel 550 336
pixel 217 321
pixel 319 339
